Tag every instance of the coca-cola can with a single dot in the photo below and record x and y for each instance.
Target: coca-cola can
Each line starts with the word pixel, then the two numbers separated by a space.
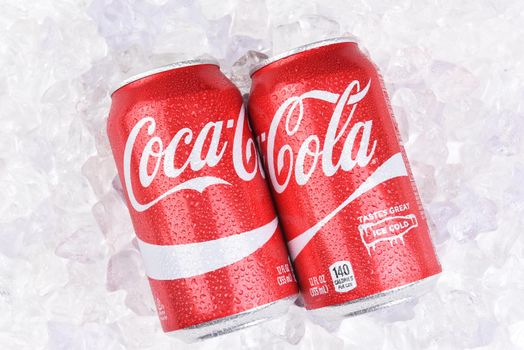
pixel 202 212
pixel 343 188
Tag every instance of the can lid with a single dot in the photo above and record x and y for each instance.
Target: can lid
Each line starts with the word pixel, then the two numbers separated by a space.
pixel 171 66
pixel 313 45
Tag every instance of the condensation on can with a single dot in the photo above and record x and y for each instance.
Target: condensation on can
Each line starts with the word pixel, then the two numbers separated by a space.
pixel 340 178
pixel 205 223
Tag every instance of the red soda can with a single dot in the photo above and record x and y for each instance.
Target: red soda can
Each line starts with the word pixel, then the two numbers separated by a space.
pixel 202 212
pixel 339 175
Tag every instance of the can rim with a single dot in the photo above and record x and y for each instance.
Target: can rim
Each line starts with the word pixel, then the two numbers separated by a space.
pixel 167 67
pixel 299 49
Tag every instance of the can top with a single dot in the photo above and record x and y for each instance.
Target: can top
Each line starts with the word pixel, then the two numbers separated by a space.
pixel 171 66
pixel 296 50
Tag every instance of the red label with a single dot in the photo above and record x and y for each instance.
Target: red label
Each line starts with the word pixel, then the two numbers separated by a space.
pixel 339 176
pixel 203 216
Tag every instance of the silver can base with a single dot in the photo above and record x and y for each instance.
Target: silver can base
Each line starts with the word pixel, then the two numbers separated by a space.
pixel 233 323
pixel 378 301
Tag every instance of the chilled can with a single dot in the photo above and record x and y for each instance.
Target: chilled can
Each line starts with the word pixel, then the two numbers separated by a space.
pixel 344 192
pixel 202 212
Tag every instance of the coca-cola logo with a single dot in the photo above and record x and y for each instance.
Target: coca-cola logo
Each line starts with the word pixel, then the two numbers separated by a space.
pixel 194 150
pixel 188 152
pixel 318 151
pixel 354 138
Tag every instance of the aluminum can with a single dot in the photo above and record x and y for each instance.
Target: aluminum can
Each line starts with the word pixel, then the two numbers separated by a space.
pixel 202 212
pixel 343 188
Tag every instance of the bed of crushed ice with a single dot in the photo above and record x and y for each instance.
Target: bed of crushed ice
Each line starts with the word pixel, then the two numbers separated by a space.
pixel 70 275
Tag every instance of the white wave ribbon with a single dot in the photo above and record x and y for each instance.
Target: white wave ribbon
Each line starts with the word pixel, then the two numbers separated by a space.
pixel 197 184
pixel 171 262
pixel 391 168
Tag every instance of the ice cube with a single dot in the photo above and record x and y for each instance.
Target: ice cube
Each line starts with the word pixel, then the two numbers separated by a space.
pixel 100 172
pixel 477 215
pixel 250 19
pixel 125 271
pixel 241 68
pixel 84 245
